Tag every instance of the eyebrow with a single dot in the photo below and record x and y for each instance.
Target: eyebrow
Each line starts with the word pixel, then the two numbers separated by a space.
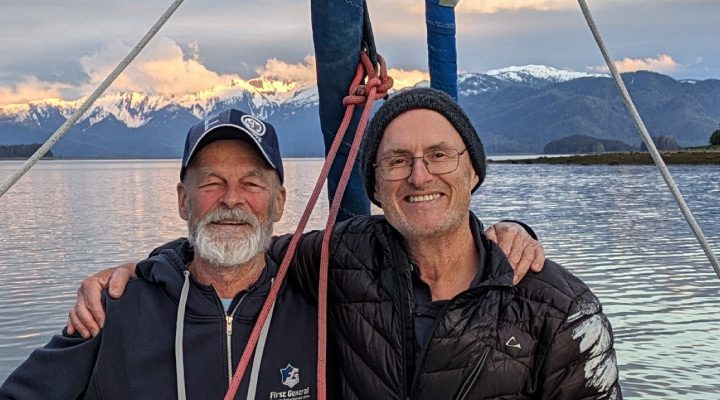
pixel 207 172
pixel 396 151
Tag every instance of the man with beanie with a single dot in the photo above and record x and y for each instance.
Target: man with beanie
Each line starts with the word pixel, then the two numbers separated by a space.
pixel 421 304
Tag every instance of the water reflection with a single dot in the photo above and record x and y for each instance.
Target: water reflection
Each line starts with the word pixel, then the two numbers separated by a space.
pixel 617 227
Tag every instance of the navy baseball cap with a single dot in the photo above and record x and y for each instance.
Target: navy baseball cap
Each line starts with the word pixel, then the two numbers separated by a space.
pixel 233 124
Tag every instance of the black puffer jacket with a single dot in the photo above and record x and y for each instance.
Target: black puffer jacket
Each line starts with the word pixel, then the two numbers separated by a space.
pixel 543 339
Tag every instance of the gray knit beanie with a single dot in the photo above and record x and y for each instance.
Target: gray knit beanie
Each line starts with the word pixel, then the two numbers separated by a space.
pixel 412 99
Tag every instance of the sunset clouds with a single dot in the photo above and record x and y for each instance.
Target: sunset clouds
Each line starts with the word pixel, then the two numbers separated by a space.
pixel 493 6
pixel 276 69
pixel 208 48
pixel 162 69
pixel 165 69
pixel 662 63
pixel 30 89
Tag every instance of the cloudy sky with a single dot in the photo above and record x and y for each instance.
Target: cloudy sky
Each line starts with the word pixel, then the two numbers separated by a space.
pixel 63 49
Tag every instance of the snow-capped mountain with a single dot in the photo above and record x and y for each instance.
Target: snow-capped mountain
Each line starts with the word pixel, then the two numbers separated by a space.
pixel 263 97
pixel 515 109
pixel 538 74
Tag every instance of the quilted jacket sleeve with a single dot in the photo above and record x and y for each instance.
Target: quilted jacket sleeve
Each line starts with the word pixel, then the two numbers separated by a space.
pixel 581 362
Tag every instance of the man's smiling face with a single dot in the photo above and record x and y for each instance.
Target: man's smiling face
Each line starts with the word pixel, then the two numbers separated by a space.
pixel 424 204
pixel 230 197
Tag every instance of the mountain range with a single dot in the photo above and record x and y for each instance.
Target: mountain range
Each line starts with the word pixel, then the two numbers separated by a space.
pixel 515 110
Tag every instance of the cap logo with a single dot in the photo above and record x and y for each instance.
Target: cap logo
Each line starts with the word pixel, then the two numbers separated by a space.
pixel 211 120
pixel 254 125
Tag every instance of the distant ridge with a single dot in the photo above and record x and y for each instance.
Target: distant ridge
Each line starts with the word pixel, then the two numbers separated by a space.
pixel 516 110
pixel 581 144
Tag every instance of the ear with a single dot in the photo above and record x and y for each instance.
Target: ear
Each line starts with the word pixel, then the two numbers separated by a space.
pixel 475 179
pixel 279 204
pixel 183 209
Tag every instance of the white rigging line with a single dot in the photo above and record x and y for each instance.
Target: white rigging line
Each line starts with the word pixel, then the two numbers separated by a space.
pixel 648 141
pixel 90 100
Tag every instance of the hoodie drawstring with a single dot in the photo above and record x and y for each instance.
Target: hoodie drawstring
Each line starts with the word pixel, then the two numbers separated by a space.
pixel 255 372
pixel 179 332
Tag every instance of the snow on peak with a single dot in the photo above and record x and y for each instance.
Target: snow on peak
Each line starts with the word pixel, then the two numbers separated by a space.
pixel 135 109
pixel 541 72
pixel 264 95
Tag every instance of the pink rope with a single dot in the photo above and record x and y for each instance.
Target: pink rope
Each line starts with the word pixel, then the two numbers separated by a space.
pixel 376 88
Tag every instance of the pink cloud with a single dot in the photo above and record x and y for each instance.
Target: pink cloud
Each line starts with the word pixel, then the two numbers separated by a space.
pixel 165 69
pixel 662 63
pixel 281 70
pixel 494 6
pixel 162 68
pixel 31 89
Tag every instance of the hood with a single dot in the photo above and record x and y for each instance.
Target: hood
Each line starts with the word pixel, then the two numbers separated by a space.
pixel 166 268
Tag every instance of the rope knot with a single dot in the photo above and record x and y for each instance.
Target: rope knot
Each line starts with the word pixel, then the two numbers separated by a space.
pixel 377 85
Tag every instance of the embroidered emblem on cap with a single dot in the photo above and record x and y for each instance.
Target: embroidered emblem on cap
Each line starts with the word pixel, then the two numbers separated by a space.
pixel 254 125
pixel 211 120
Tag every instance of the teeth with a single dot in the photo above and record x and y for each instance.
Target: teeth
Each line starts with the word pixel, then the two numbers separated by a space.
pixel 427 197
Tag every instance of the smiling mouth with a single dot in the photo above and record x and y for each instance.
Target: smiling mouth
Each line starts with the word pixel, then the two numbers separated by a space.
pixel 234 223
pixel 423 198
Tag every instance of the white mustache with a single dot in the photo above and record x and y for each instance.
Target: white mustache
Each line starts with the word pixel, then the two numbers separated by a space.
pixel 236 215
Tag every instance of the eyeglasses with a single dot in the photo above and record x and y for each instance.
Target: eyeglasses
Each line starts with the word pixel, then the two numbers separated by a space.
pixel 437 162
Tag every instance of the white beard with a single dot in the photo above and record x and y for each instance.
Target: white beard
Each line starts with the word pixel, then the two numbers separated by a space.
pixel 227 249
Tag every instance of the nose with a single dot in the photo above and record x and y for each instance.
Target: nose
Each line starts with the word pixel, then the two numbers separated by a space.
pixel 233 196
pixel 419 174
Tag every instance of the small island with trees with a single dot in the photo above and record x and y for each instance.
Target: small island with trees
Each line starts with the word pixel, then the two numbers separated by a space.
pixel 613 152
pixel 21 151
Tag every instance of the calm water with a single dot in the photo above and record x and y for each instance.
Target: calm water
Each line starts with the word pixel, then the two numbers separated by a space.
pixel 617 227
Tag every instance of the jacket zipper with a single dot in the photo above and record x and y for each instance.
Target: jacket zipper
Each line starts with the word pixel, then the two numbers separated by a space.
pixel 228 331
pixel 407 306
pixel 426 346
pixel 474 375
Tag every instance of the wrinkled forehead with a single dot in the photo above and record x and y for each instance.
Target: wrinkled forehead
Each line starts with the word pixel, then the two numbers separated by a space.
pixel 419 130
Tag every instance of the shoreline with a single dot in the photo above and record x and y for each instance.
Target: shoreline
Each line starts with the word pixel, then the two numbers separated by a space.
pixel 709 155
pixel 694 156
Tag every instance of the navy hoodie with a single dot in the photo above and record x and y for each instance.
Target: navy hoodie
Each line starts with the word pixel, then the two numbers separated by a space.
pixel 134 356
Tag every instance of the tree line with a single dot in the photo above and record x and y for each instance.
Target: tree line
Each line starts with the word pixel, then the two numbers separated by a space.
pixel 21 151
pixel 715 137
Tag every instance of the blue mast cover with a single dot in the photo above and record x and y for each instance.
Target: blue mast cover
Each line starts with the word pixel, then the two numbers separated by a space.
pixel 442 50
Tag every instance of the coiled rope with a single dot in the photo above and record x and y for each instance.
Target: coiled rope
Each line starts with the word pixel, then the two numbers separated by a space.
pixel 376 87
pixel 60 132
pixel 648 141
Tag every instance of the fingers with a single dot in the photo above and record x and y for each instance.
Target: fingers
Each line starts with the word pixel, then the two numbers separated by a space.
pixel 88 315
pixel 119 279
pixel 490 233
pixel 505 237
pixel 533 258
pixel 519 271
pixel 538 258
pixel 70 327
pixel 79 322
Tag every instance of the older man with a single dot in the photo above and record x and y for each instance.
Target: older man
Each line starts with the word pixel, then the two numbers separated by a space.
pixel 181 327
pixel 423 305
